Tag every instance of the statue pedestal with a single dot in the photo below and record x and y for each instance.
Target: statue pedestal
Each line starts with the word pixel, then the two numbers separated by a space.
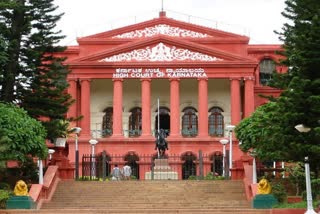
pixel 264 201
pixel 20 202
pixel 161 171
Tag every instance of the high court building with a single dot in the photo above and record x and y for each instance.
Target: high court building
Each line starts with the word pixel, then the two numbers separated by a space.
pixel 189 80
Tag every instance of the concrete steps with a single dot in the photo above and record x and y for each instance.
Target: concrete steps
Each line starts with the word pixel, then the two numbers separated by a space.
pixel 147 197
pixel 137 211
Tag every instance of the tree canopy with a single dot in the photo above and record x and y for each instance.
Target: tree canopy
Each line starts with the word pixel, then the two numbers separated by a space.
pixel 20 135
pixel 31 73
pixel 271 129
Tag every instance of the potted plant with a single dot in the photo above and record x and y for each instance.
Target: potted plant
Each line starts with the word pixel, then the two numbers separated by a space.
pixel 57 131
pixel 63 131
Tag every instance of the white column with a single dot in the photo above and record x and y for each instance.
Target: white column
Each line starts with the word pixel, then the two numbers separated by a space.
pixel 254 172
pixel 40 171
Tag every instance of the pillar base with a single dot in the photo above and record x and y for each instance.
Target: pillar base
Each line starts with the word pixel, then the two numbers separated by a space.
pixel 264 201
pixel 20 202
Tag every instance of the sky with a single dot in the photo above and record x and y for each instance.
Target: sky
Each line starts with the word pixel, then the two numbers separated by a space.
pixel 254 18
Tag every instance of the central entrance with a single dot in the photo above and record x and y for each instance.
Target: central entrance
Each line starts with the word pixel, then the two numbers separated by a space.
pixel 164 119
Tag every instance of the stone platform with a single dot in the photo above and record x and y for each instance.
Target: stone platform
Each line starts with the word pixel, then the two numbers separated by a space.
pixel 161 171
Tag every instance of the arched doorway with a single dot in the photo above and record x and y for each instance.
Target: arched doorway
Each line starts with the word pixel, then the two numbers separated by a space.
pixel 216 164
pixel 189 165
pixel 164 119
pixel 131 159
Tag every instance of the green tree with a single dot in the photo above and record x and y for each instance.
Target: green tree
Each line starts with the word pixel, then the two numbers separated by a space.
pixel 4 148
pixel 32 74
pixel 273 135
pixel 23 135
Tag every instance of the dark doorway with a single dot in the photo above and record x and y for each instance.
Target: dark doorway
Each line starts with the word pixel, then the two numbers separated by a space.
pixel 164 119
pixel 132 160
pixel 188 166
pixel 216 164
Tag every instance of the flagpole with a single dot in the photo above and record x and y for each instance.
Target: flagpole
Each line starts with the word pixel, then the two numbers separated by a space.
pixel 158 117
pixel 162 5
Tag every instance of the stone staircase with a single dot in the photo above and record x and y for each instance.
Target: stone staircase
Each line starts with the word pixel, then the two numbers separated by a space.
pixel 148 197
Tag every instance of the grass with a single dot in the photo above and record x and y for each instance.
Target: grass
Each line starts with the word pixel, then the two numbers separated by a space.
pixel 302 204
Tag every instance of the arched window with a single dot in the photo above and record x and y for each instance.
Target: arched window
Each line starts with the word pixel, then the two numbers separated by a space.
pixel 189 122
pixel 135 122
pixel 107 121
pixel 267 67
pixel 216 121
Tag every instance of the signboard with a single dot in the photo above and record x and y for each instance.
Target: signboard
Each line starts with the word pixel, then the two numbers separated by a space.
pixel 159 73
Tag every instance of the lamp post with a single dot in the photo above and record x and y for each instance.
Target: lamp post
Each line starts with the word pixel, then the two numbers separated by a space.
pixel 40 165
pixel 303 129
pixel 50 151
pixel 224 143
pixel 254 166
pixel 230 128
pixel 40 171
pixel 93 142
pixel 77 131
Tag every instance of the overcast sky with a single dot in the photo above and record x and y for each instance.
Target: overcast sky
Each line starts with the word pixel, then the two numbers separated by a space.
pixel 254 18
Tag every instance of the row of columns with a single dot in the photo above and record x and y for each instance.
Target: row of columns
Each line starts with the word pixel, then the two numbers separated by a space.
pixel 81 92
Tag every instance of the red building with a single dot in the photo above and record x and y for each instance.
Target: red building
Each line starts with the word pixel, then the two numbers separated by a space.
pixel 205 79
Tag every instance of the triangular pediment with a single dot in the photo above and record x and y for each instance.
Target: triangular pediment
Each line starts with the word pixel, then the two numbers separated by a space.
pixel 160 53
pixel 165 26
pixel 162 49
pixel 161 29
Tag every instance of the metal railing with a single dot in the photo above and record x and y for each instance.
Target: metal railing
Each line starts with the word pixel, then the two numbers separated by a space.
pixel 149 167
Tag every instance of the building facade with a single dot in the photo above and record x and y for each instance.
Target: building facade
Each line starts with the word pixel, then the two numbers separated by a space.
pixel 188 80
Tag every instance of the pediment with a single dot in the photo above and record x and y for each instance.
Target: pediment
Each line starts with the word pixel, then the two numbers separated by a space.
pixel 162 49
pixel 160 52
pixel 161 29
pixel 165 26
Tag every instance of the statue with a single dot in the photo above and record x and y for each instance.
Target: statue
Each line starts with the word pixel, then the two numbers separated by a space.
pixel 21 188
pixel 264 187
pixel 161 143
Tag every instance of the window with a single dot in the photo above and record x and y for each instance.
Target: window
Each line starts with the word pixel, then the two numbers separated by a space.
pixel 107 121
pixel 135 122
pixel 216 121
pixel 267 66
pixel 189 122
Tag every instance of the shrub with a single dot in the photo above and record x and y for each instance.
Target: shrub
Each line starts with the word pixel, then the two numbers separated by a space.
pixel 315 184
pixel 279 192
pixel 209 176
pixel 4 196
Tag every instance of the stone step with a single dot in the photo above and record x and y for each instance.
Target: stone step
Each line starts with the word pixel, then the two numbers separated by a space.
pixel 144 205
pixel 136 211
pixel 150 197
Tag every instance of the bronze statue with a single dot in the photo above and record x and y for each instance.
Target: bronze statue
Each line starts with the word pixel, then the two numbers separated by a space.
pixel 161 143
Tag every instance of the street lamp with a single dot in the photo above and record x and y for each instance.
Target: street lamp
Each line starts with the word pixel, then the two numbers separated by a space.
pixel 254 166
pixel 93 142
pixel 40 165
pixel 77 131
pixel 224 143
pixel 40 171
pixel 230 128
pixel 304 129
pixel 50 151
